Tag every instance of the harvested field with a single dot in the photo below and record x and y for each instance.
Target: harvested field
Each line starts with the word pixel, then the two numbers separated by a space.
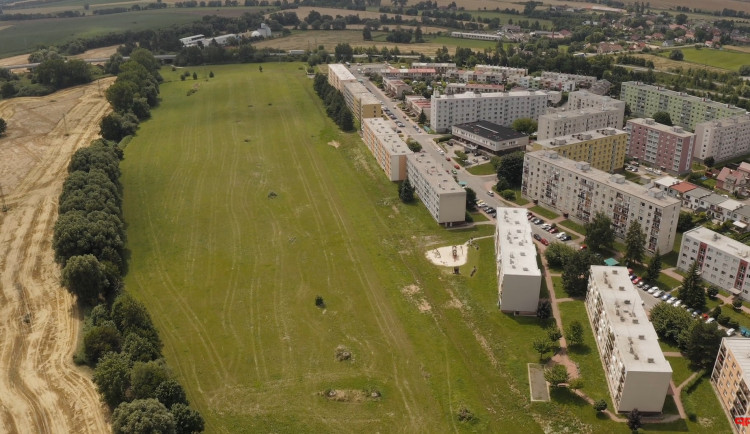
pixel 43 392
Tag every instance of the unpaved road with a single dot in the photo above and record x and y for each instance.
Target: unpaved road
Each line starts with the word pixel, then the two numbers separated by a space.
pixel 42 391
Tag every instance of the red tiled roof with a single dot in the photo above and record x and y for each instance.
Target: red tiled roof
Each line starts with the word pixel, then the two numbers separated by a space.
pixel 683 187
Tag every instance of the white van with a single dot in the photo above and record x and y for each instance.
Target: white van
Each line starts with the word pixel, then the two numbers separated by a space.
pixel 730 332
pixel 710 320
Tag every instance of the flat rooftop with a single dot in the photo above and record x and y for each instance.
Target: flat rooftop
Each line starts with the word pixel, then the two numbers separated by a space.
pixel 517 252
pixel 436 176
pixel 341 71
pixel 634 334
pixel 653 125
pixel 490 131
pixel 577 113
pixel 385 134
pixel 726 122
pixel 580 137
pixel 740 348
pixel 584 169
pixel 720 242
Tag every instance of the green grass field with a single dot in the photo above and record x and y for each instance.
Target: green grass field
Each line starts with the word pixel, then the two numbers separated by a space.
pixel 726 59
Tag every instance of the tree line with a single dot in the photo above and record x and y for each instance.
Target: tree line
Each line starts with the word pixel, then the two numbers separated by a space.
pixel 334 103
pixel 120 341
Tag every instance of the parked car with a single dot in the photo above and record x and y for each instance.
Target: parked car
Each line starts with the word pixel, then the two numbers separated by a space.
pixel 637 280
pixel 656 288
pixel 677 302
pixel 537 237
pixel 666 297
pixel 565 238
pixel 658 293
pixel 730 332
pixel 710 320
pixel 651 290
pixel 561 234
pixel 490 192
pixel 553 230
pixel 456 166
pixel 545 226
pixel 447 158
pixel 544 241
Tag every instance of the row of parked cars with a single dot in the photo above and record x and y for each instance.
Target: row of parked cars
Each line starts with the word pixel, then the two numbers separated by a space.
pixel 551 228
pixel 489 210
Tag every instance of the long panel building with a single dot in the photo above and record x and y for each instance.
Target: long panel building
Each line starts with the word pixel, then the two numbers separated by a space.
pixel 361 102
pixel 661 146
pixel 731 380
pixel 438 191
pixel 685 110
pixel 578 191
pixel 518 276
pixel 387 147
pixel 722 261
pixel 585 111
pixel 500 108
pixel 637 373
pixel 723 139
pixel 604 148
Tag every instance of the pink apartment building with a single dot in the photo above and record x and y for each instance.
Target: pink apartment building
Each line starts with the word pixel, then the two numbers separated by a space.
pixel 663 147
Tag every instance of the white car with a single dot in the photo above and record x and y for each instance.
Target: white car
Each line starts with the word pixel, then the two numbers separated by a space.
pixel 677 302
pixel 658 293
pixel 546 226
pixel 651 290
pixel 561 235
pixel 730 332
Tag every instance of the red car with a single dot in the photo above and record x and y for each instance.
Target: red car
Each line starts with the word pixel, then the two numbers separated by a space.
pixel 447 158
pixel 583 247
pixel 544 241
pixel 456 166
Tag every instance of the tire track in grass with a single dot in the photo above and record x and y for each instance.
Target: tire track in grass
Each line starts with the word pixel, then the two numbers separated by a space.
pixel 384 317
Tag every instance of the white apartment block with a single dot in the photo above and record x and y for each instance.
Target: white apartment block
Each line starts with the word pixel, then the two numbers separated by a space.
pixel 338 74
pixel 518 276
pixel 453 88
pixel 730 378
pixel 387 147
pixel 510 74
pixel 722 261
pixel 723 139
pixel 501 108
pixel 637 373
pixel 584 99
pixel 361 102
pixel 579 191
pixel 558 80
pixel 556 123
pixel 439 192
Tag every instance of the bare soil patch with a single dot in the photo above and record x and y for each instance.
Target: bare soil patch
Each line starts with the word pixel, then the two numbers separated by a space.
pixel 351 395
pixel 334 143
pixel 39 320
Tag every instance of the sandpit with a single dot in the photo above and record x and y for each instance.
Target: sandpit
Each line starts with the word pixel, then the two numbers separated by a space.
pixel 449 256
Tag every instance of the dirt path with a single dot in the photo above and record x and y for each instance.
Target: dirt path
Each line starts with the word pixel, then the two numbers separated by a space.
pixel 43 391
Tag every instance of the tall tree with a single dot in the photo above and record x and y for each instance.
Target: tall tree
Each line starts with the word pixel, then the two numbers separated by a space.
pixel 406 192
pixel 669 322
pixel 574 333
pixel 635 241
pixel 187 420
pixel 422 119
pixel 691 292
pixel 85 277
pixel 511 168
pixel 663 118
pixel 142 416
pixel 556 375
pixel 654 267
pixel 542 346
pixel 471 197
pixel 524 126
pixel 575 275
pixel 634 420
pixel 701 343
pixel 367 33
pixel 112 378
pixel 599 232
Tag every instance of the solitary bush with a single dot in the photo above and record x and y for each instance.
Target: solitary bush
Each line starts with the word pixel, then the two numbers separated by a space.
pixel 508 195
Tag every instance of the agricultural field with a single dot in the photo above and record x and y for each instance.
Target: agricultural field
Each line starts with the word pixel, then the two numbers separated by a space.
pixel 17 37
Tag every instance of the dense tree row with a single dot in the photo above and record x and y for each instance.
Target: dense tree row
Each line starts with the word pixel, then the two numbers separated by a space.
pixel 132 95
pixel 699 340
pixel 334 103
pixel 120 341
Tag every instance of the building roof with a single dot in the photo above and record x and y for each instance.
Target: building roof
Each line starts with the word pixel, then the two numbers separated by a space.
pixel 517 251
pixel 384 132
pixel 653 125
pixel 440 181
pixel 718 241
pixel 666 181
pixel 514 93
pixel 580 137
pixel 652 195
pixel 341 71
pixel 740 348
pixel 634 334
pixel 584 112
pixel 714 199
pixel 490 131
pixel 699 192
pixel 743 211
pixel 731 204
pixel 683 187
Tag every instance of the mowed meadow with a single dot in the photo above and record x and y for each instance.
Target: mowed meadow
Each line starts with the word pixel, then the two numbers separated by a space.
pixel 230 274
